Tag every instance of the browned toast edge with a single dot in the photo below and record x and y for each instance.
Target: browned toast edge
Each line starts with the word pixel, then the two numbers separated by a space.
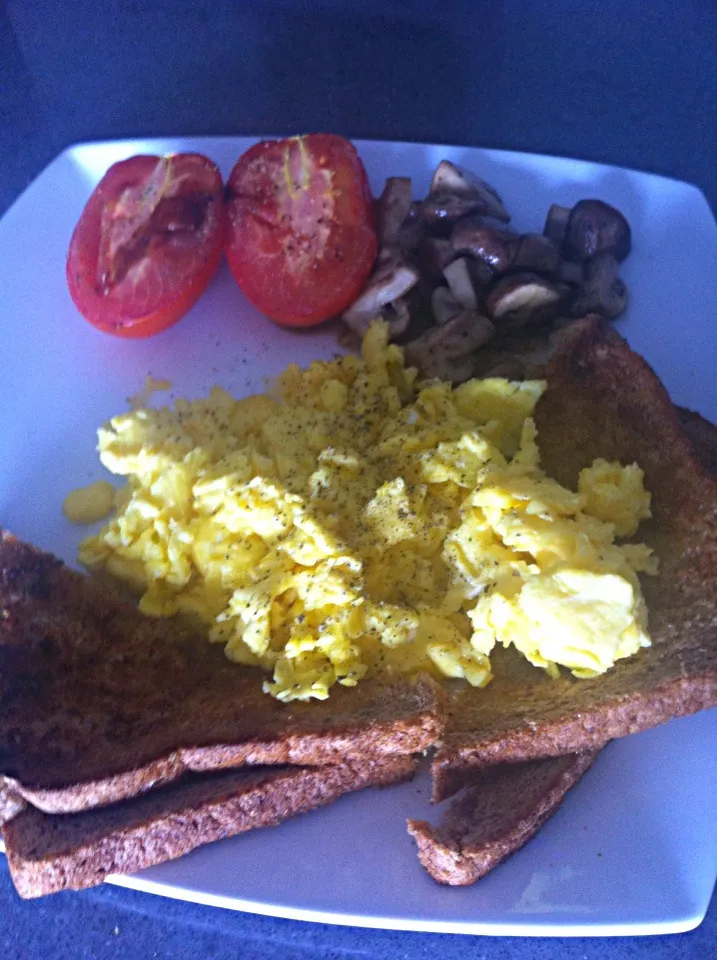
pixel 84 848
pixel 455 853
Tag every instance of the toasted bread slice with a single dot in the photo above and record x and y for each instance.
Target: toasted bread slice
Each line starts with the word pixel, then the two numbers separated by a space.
pixel 604 401
pixel 74 851
pixel 495 816
pixel 99 703
pixel 11 803
pixel 702 435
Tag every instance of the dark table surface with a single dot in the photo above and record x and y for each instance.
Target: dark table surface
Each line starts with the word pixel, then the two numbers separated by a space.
pixel 625 82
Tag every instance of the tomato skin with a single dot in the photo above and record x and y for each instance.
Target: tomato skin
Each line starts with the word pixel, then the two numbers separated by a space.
pixel 301 237
pixel 180 271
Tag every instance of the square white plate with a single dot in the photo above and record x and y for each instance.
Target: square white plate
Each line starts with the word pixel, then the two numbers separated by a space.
pixel 634 848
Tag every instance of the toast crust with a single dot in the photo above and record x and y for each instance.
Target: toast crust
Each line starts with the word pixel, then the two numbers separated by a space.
pixel 47 854
pixel 495 816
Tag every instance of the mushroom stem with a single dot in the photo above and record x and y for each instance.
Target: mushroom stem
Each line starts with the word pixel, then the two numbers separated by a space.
pixel 556 224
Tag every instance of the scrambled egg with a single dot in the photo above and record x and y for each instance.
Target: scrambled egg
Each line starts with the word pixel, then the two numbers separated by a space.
pixel 89 504
pixel 359 520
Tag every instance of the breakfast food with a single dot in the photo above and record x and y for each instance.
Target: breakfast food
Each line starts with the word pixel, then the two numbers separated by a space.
pixel 468 295
pixel 604 400
pixel 302 237
pixel 100 703
pixel 306 242
pixel 363 522
pixel 47 854
pixel 702 435
pixel 495 816
pixel 147 243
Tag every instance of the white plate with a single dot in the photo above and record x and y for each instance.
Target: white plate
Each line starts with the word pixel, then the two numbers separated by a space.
pixel 634 848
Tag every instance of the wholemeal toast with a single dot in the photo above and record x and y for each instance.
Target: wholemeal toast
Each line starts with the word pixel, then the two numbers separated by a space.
pixel 499 812
pixel 604 401
pixel 99 703
pixel 49 853
pixel 702 435
pixel 495 816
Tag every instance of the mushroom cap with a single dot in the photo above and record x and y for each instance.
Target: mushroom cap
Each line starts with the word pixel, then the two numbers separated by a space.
pixel 432 256
pixel 537 254
pixel 392 279
pixel 556 223
pixel 446 352
pixel 603 291
pixel 594 228
pixel 488 240
pixel 441 210
pixel 393 208
pixel 451 178
pixel 521 299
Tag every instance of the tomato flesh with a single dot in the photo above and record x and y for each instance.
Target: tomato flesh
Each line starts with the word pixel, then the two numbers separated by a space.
pixel 147 243
pixel 301 227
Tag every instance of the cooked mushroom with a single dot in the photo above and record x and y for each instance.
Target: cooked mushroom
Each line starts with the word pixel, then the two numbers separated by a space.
pixel 390 281
pixel 537 254
pixel 603 291
pixel 571 272
pixel 432 256
pixel 394 206
pixel 444 305
pixel 509 369
pixel 595 227
pixel 450 178
pixel 441 210
pixel 447 351
pixel 521 299
pixel 556 223
pixel 498 362
pixel 460 282
pixel 481 274
pixel 418 304
pixel 412 230
pixel 487 240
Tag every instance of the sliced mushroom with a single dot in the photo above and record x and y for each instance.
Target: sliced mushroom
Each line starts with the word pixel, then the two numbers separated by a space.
pixel 522 299
pixel 594 228
pixel 444 305
pixel 394 206
pixel 447 351
pixel 481 273
pixel 566 290
pixel 459 279
pixel 441 210
pixel 432 256
pixel 391 280
pixel 412 230
pixel 489 241
pixel 398 315
pixel 450 178
pixel 556 223
pixel 537 254
pixel 603 291
pixel 571 272
pixel 418 303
